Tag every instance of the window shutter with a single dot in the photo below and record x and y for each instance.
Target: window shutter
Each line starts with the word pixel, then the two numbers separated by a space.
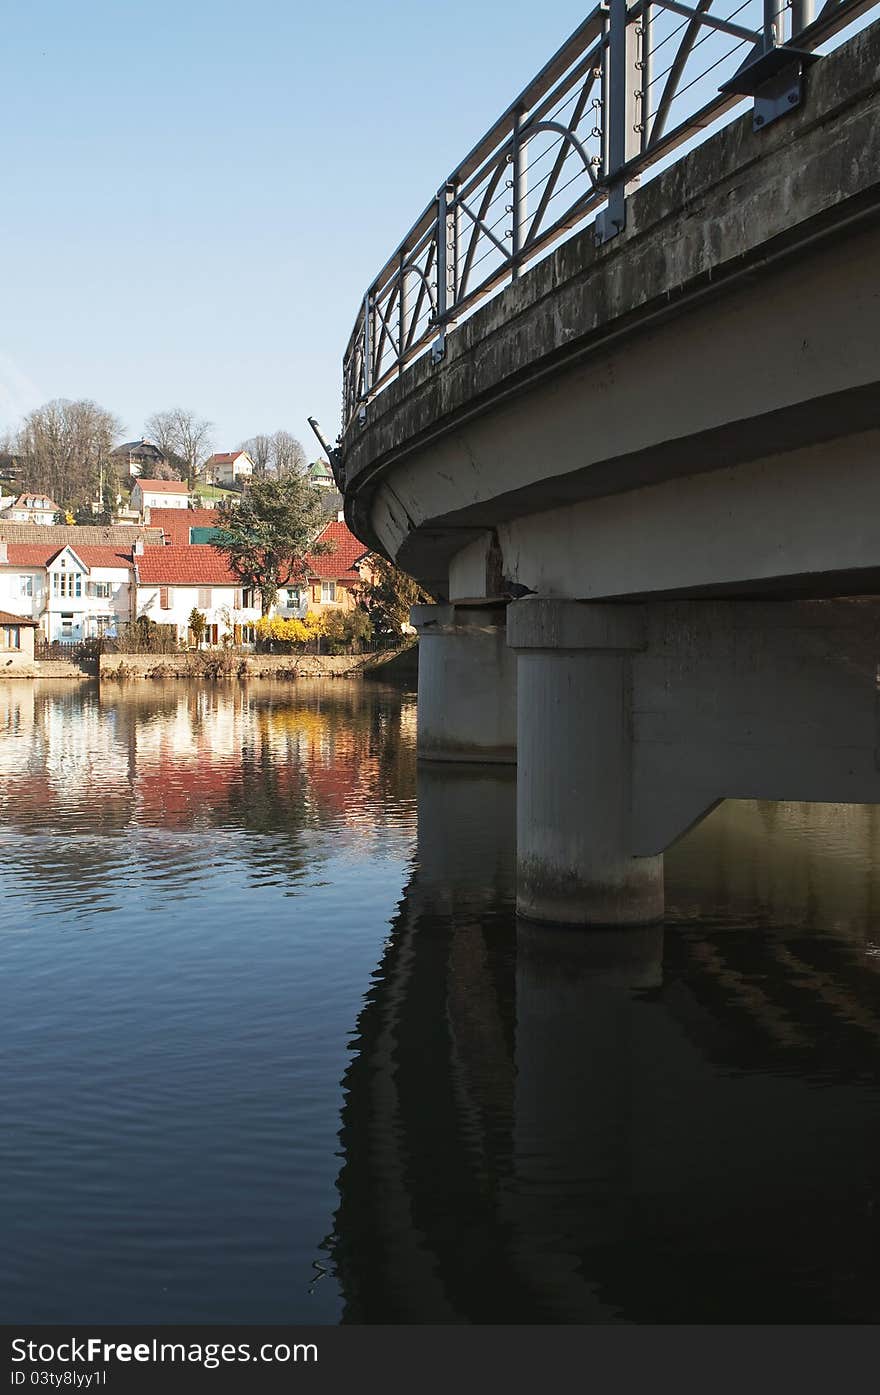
pixel 164 602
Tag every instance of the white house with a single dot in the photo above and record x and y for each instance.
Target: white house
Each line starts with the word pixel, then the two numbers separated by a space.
pixel 31 508
pixel 227 467
pixel 72 594
pixel 159 494
pixel 171 582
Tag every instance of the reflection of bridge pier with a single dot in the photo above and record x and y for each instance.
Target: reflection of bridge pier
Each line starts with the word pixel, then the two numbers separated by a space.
pixel 636 1125
pixel 577 1131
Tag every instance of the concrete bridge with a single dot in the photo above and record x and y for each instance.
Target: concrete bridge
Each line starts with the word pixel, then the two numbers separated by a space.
pixel 642 479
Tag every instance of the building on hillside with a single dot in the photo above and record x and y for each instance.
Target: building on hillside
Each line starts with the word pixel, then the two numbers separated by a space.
pixel 16 641
pixel 159 494
pixel 171 582
pixel 36 509
pixel 72 594
pixel 332 578
pixel 131 457
pixel 319 473
pixel 227 468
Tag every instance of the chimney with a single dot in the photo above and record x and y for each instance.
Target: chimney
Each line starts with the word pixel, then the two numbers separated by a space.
pixel 138 548
pixel 4 554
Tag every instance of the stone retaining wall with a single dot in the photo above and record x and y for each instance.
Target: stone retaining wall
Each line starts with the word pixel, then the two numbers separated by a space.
pixel 48 668
pixel 126 667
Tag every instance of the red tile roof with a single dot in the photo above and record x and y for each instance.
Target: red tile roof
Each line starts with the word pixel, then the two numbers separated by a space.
pixel 337 565
pixel 225 457
pixel 162 486
pixel 191 565
pixel 7 618
pixel 41 554
pixel 176 523
pixel 38 501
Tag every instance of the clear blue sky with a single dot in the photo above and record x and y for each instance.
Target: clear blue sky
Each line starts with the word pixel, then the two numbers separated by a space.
pixel 196 192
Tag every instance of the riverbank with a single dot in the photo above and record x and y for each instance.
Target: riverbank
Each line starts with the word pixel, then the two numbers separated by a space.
pixel 212 665
pixel 51 668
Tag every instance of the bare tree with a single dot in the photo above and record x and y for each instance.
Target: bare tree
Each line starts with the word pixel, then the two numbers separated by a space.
pixel 279 456
pixel 65 448
pixel 183 438
pixel 162 431
pixel 288 455
pixel 259 448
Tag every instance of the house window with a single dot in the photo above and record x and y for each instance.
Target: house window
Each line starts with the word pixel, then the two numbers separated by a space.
pixel 204 601
pixel 26 586
pixel 164 598
pixel 11 637
pixel 247 597
pixel 102 589
pixel 328 590
pixel 295 598
pixel 66 583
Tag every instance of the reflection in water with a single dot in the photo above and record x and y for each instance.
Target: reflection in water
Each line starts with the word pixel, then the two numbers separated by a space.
pixel 196 883
pixel 665 1125
pixel 198 903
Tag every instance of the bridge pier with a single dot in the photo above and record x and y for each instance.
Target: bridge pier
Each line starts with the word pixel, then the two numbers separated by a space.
pixel 467 684
pixel 575 862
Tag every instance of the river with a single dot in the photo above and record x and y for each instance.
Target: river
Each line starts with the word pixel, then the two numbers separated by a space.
pixel 276 1049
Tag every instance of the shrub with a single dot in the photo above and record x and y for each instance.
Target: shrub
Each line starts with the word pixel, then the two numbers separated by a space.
pixel 347 631
pixel 285 636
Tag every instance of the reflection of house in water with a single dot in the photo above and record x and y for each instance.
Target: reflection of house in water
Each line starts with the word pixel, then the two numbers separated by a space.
pixel 191 757
pixel 649 1126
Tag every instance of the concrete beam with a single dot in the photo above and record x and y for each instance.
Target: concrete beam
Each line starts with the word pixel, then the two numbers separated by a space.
pixel 800 522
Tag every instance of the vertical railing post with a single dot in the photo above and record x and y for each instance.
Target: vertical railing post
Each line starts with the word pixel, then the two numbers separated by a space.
pixel 645 64
pixel 621 84
pixel 440 234
pixel 520 192
pixel 453 224
pixel 368 346
pixel 447 250
pixel 402 308
pixel 803 12
pixel 773 15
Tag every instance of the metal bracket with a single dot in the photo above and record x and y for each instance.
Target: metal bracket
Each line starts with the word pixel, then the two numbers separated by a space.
pixel 610 220
pixel 776 81
pixel 438 349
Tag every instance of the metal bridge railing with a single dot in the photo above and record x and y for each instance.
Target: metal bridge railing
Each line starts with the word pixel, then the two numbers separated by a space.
pixel 634 82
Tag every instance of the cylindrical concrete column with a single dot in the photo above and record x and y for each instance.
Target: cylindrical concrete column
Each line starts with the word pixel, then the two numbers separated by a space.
pixel 574 778
pixel 467 684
